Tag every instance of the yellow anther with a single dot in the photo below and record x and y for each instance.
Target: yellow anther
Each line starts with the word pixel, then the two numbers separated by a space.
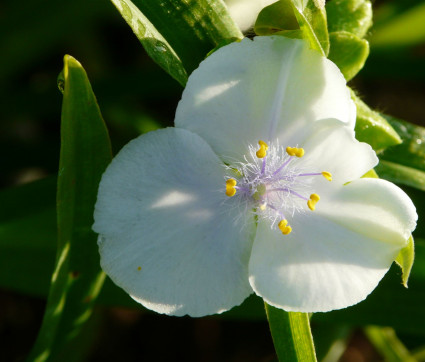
pixel 294 151
pixel 230 187
pixel 314 198
pixel 262 152
pixel 284 227
pixel 327 175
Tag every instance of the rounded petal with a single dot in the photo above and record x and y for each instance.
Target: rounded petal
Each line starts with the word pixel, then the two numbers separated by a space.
pixel 269 88
pixel 335 258
pixel 168 234
pixel 332 147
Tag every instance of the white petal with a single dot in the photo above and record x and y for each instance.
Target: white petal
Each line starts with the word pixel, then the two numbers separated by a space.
pixel 268 88
pixel 168 234
pixel 335 258
pixel 333 148
pixel 371 207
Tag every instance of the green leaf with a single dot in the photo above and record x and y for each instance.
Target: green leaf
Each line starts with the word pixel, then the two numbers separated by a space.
pixel 191 28
pixel 153 42
pixel 405 29
pixel 348 52
pixel 372 128
pixel 313 24
pixel 353 16
pixel 77 278
pixel 411 152
pixel 405 260
pixel 388 345
pixel 291 335
pixel 402 175
pixel 276 17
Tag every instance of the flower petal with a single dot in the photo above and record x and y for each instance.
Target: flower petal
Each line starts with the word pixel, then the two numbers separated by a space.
pixel 333 148
pixel 271 87
pixel 167 231
pixel 335 258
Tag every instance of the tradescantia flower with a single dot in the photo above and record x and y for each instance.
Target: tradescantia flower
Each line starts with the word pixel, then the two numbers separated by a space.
pixel 258 188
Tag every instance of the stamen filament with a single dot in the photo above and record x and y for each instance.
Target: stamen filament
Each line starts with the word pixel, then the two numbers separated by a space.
pixel 281 167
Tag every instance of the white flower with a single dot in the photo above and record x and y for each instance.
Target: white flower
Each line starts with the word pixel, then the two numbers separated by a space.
pixel 193 219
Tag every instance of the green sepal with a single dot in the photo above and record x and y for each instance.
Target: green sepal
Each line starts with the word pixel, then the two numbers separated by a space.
pixel 353 16
pixel 154 43
pixel 276 17
pixel 313 24
pixel 348 52
pixel 405 259
pixel 372 128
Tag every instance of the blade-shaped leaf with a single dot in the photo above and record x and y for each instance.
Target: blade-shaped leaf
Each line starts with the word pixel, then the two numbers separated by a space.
pixel 190 28
pixel 402 175
pixel 77 278
pixel 153 42
pixel 390 347
pixel 291 335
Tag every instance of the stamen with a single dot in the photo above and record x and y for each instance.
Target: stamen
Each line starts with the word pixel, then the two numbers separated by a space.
pixel 294 151
pixel 314 198
pixel 230 187
pixel 262 152
pixel 284 227
pixel 327 175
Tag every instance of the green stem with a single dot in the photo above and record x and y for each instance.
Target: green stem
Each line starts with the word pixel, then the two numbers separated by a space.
pixel 291 335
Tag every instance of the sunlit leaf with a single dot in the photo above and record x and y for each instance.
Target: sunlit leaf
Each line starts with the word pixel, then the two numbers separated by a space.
pixel 313 24
pixel 190 28
pixel 405 260
pixel 153 42
pixel 276 17
pixel 291 334
pixel 77 278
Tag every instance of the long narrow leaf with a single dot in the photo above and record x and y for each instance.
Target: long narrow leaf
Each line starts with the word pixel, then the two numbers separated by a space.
pixel 77 278
pixel 187 28
pixel 291 335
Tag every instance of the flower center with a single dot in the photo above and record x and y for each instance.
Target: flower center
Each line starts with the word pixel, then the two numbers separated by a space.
pixel 273 182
